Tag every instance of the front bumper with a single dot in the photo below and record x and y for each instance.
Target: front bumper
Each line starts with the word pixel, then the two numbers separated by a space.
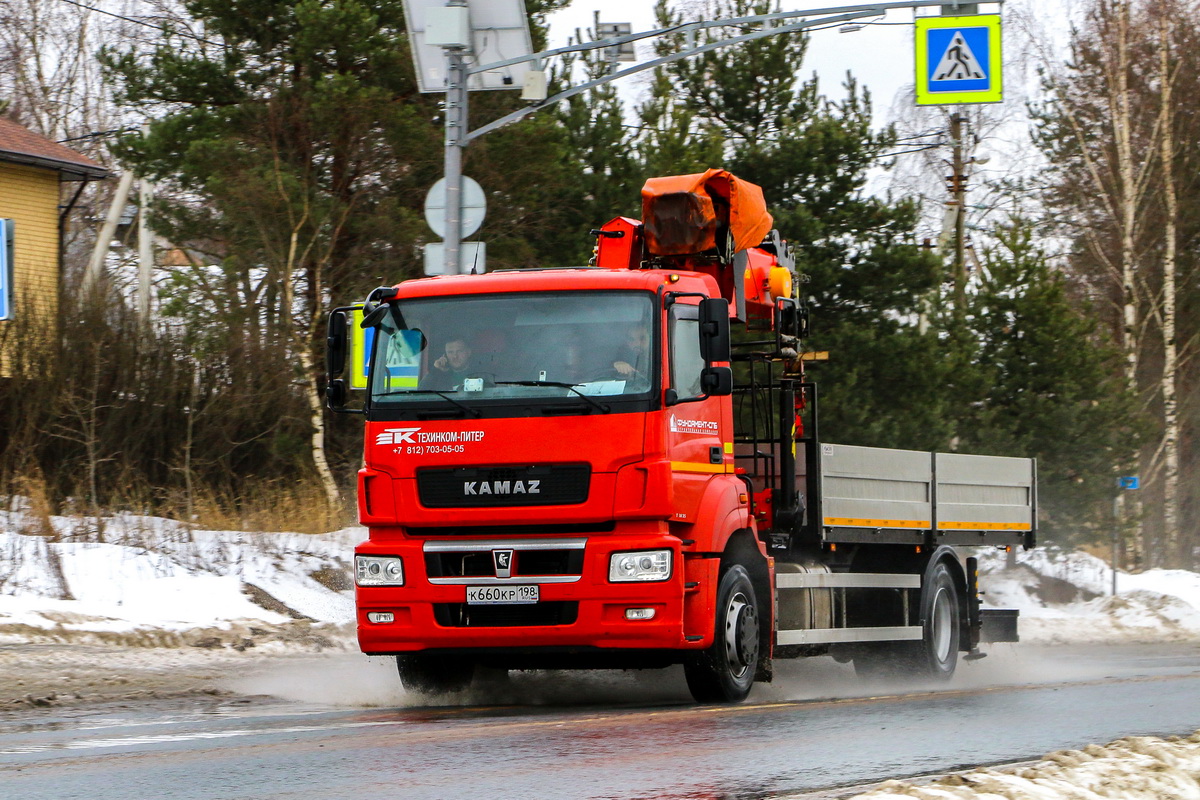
pixel 422 619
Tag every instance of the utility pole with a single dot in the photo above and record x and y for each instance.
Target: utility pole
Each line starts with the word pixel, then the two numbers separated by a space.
pixel 145 250
pixel 958 190
pixel 95 265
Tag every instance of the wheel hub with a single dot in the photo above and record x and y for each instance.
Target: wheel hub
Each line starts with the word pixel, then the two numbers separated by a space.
pixel 741 635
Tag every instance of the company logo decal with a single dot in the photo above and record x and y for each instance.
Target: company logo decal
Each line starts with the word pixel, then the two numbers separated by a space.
pixel 502 559
pixel 679 425
pixel 416 436
pixel 501 487
pixel 396 436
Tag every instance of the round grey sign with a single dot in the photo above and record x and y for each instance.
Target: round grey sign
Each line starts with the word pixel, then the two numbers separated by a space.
pixel 474 207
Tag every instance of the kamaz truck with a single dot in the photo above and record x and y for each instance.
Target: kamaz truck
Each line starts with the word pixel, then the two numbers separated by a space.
pixel 620 466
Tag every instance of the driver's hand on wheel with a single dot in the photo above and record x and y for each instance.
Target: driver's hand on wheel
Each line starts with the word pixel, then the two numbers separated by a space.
pixel 624 368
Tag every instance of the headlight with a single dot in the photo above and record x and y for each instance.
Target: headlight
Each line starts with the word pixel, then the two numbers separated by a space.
pixel 643 565
pixel 378 571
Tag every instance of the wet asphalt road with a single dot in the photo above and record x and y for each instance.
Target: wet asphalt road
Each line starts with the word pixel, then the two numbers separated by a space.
pixel 617 736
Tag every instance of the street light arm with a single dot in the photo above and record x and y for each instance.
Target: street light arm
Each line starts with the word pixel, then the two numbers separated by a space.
pixel 874 10
pixel 658 62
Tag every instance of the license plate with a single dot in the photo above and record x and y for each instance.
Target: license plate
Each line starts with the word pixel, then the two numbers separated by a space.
pixel 502 595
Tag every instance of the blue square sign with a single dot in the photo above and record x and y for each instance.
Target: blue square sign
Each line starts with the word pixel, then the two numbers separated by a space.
pixel 959 60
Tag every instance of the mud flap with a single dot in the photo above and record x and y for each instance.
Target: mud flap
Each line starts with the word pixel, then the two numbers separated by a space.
pixel 998 625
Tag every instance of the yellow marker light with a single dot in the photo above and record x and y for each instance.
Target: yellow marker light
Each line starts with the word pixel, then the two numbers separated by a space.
pixel 672 279
pixel 780 282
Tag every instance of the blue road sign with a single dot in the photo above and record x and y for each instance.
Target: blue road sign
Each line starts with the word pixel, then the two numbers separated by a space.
pixel 6 268
pixel 1129 482
pixel 958 59
pixel 963 62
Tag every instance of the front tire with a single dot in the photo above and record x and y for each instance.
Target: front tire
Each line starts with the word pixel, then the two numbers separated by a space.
pixel 429 674
pixel 725 671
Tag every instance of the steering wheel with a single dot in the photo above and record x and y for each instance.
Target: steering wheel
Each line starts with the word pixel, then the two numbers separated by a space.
pixel 608 374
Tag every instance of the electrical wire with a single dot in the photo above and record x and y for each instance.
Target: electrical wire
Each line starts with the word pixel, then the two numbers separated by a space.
pixel 96 134
pixel 138 21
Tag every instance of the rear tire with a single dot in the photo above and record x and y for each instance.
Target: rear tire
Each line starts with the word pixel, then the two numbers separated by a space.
pixel 429 674
pixel 935 657
pixel 725 671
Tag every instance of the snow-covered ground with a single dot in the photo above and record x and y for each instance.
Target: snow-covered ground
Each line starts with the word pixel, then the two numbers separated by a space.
pixel 1137 768
pixel 156 587
pixel 151 581
pixel 1065 597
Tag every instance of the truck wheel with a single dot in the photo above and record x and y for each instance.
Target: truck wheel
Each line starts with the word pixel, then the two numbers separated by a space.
pixel 429 674
pixel 936 655
pixel 724 672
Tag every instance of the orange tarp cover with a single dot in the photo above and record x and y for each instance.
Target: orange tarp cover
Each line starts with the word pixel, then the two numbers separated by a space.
pixel 683 213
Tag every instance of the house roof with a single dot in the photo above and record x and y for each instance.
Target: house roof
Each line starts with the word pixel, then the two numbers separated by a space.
pixel 19 145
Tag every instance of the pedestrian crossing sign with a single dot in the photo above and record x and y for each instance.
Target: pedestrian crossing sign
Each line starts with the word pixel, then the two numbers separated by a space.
pixel 958 60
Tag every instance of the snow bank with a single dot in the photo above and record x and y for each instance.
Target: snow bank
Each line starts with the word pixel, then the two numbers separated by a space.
pixel 154 574
pixel 1140 767
pixel 1064 597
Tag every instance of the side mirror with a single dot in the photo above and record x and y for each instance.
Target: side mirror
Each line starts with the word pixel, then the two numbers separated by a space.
pixel 335 344
pixel 714 330
pixel 335 394
pixel 791 319
pixel 717 381
pixel 376 304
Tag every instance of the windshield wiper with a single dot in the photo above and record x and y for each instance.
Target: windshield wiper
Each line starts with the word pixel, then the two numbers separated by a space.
pixel 603 409
pixel 438 392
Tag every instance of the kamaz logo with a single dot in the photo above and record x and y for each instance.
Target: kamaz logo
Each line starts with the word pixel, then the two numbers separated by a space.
pixel 396 436
pixel 501 487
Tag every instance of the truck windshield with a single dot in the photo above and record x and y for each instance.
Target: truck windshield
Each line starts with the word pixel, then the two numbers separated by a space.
pixel 522 346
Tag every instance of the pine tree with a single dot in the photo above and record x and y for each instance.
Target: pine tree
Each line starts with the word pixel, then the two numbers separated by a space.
pixel 300 152
pixel 1054 389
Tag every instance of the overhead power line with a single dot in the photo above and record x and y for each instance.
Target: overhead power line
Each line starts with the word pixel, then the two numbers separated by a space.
pixel 141 22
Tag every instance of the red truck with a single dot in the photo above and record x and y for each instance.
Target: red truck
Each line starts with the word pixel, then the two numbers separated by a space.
pixel 582 467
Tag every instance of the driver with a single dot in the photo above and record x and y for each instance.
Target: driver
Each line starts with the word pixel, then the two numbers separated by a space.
pixel 449 370
pixel 633 356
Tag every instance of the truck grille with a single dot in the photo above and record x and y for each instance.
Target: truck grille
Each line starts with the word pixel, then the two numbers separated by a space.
pixel 460 615
pixel 526 563
pixel 472 487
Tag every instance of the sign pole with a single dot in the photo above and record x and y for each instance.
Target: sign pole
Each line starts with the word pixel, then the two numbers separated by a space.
pixel 1115 538
pixel 456 129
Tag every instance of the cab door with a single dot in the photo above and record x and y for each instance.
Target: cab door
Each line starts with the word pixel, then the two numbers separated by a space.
pixel 699 428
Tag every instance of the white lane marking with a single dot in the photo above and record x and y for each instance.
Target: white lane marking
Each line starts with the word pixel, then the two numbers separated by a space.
pixel 134 741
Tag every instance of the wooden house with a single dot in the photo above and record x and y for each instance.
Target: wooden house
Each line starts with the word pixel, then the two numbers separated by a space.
pixel 40 180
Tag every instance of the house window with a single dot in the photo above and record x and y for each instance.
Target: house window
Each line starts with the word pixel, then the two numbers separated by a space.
pixel 6 268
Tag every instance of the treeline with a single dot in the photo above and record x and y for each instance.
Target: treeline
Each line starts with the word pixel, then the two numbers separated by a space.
pixel 291 153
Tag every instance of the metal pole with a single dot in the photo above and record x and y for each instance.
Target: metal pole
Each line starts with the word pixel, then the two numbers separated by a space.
pixel 456 128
